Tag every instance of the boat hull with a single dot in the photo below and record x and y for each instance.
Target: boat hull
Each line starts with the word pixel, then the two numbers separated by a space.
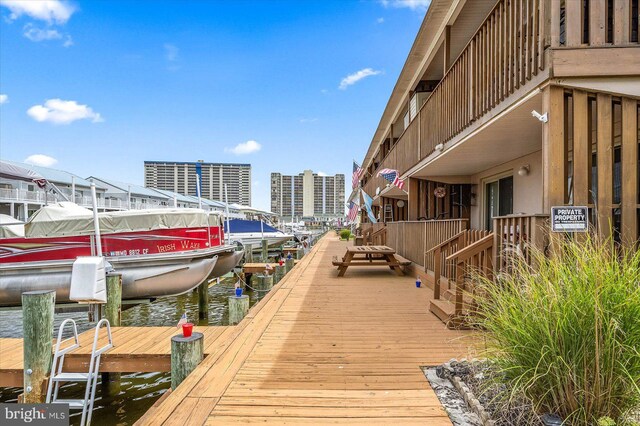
pixel 148 277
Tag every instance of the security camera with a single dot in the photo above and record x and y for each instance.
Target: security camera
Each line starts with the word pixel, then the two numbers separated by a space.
pixel 542 117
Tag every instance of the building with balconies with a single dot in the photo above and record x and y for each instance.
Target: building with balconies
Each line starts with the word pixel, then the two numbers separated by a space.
pixel 504 109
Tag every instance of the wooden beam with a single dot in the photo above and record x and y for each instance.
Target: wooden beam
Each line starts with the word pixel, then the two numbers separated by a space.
pixel 629 171
pixel 413 201
pixel 447 49
pixel 581 149
pixel 604 62
pixel 605 164
pixel 553 147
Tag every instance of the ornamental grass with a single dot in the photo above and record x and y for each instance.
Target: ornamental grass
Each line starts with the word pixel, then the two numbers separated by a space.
pixel 565 334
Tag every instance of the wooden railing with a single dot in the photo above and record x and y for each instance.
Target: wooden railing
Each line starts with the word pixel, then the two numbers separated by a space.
pixel 372 233
pixel 444 255
pixel 476 258
pixel 515 235
pixel 412 239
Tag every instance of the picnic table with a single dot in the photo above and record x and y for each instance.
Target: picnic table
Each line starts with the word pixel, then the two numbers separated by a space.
pixel 370 256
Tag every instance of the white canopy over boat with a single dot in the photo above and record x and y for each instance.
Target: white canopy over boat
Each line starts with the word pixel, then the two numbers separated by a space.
pixel 65 219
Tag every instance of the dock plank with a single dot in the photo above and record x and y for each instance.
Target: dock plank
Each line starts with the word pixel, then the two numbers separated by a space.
pixel 324 350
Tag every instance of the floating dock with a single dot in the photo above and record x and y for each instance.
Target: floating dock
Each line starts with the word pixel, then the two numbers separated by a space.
pixel 322 349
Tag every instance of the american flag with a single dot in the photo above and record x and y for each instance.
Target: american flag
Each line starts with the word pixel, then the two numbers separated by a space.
pixel 392 176
pixel 357 173
pixel 183 320
pixel 353 211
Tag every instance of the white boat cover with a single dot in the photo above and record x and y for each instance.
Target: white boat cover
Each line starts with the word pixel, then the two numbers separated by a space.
pixel 66 219
pixel 10 227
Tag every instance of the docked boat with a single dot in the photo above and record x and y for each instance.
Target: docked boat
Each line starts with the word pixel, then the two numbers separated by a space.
pixel 253 232
pixel 159 252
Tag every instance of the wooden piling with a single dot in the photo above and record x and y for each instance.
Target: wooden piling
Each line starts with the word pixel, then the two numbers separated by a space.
pixel 203 300
pixel 300 253
pixel 238 308
pixel 248 253
pixel 37 329
pixel 289 264
pixel 113 313
pixel 186 354
pixel 264 283
pixel 278 273
pixel 265 250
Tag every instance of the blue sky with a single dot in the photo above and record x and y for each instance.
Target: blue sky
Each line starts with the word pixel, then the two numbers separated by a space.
pixel 98 87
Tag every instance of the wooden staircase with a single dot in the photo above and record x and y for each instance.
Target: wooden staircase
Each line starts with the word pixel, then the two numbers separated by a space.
pixel 456 261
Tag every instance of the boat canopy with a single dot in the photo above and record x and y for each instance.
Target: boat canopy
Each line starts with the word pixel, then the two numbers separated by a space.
pixel 11 171
pixel 66 219
pixel 10 227
pixel 248 226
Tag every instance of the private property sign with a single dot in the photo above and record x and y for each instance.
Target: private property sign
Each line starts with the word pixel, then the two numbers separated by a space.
pixel 569 219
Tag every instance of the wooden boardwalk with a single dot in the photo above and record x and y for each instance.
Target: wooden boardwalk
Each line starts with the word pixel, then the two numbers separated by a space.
pixel 136 349
pixel 322 349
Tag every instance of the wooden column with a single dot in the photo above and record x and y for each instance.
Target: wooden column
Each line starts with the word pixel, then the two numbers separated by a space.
pixel 203 300
pixel 299 253
pixel 581 149
pixel 447 49
pixel 289 264
pixel 605 164
pixel 37 329
pixel 413 203
pixel 554 154
pixel 278 273
pixel 629 171
pixel 113 313
pixel 265 250
pixel 248 253
pixel 186 354
pixel 238 308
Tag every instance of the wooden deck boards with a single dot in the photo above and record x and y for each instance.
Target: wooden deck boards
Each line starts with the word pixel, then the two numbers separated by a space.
pixel 323 350
pixel 141 349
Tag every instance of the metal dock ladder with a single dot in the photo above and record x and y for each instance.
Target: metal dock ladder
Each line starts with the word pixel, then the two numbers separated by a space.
pixel 58 377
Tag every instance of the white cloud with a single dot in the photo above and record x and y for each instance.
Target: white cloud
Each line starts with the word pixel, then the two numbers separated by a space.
pixel 68 42
pixel 417 5
pixel 308 120
pixel 4 99
pixel 242 148
pixel 39 34
pixel 322 174
pixel 357 76
pixel 58 111
pixel 44 10
pixel 380 20
pixel 40 160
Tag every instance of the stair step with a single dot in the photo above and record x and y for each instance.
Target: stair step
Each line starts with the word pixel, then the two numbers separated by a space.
pixel 443 309
pixel 76 404
pixel 71 377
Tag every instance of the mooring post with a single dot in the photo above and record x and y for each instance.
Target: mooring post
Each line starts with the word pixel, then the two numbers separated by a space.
pixel 265 283
pixel 299 253
pixel 203 300
pixel 265 250
pixel 113 313
pixel 278 273
pixel 186 354
pixel 238 308
pixel 248 253
pixel 289 264
pixel 37 329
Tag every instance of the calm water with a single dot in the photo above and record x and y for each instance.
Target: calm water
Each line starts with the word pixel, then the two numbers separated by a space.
pixel 138 390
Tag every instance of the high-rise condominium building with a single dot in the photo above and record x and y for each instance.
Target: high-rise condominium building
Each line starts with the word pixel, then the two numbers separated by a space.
pixel 182 177
pixel 307 195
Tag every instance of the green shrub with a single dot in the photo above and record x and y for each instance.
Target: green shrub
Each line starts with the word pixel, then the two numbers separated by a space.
pixel 566 335
pixel 345 234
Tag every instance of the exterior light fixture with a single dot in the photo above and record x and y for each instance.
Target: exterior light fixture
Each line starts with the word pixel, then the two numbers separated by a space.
pixel 524 170
pixel 542 117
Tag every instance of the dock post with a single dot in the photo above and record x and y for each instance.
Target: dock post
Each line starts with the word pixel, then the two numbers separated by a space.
pixel 289 264
pixel 264 283
pixel 278 273
pixel 203 300
pixel 186 354
pixel 248 253
pixel 265 251
pixel 110 383
pixel 238 308
pixel 37 329
pixel 299 253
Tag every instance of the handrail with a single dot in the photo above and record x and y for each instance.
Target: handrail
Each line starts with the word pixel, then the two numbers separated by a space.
pixel 472 249
pixel 480 252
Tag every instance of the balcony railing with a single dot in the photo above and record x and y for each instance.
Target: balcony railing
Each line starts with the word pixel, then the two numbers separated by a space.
pixel 506 52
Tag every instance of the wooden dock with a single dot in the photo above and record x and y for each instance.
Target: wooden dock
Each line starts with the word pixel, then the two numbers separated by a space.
pixel 136 349
pixel 322 349
pixel 257 268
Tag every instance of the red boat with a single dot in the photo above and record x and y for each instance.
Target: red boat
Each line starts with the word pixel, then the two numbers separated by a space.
pixel 159 252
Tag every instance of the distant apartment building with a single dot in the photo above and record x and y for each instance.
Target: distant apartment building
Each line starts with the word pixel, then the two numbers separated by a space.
pixel 181 177
pixel 307 195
